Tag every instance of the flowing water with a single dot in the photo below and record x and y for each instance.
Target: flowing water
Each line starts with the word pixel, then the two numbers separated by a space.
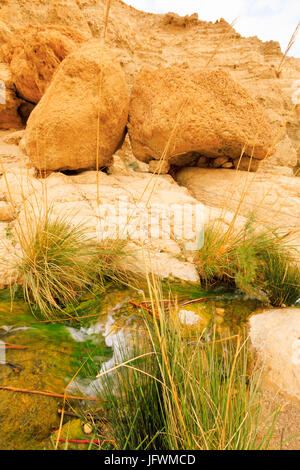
pixel 52 354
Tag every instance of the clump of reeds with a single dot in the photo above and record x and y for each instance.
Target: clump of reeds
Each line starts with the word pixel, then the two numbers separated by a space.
pixel 59 263
pixel 256 261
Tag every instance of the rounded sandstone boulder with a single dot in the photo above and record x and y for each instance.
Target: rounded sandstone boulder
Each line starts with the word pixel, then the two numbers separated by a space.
pixel 176 111
pixel 34 55
pixel 88 89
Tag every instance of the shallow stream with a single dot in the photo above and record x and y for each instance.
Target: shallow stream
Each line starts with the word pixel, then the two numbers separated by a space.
pixel 50 355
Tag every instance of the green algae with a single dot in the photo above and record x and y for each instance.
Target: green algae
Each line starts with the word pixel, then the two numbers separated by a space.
pixel 238 307
pixel 52 356
pixel 49 361
pixel 72 431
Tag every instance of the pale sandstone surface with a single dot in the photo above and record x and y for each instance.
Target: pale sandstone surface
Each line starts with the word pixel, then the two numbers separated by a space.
pixel 76 197
pixel 218 190
pixel 13 138
pixel 275 336
pixel 273 199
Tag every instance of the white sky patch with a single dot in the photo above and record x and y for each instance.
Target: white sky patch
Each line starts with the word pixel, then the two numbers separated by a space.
pixel 267 19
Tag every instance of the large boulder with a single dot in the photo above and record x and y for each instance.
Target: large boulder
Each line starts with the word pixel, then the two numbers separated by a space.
pixel 275 334
pixel 177 111
pixel 34 55
pixel 88 89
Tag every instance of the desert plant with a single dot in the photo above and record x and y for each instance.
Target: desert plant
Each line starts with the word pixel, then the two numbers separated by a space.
pixel 59 263
pixel 262 263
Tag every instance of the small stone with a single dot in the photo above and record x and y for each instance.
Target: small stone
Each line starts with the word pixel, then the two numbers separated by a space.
pixel 87 429
pixel 227 165
pixel 203 162
pixel 219 161
pixel 6 212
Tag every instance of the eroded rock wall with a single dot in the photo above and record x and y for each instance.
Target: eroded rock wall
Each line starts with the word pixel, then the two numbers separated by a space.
pixel 147 40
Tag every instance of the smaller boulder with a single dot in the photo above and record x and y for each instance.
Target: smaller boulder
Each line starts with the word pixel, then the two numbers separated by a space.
pixel 85 105
pixel 6 212
pixel 34 55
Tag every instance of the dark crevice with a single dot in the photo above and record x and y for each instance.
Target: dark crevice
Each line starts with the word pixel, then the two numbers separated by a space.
pixel 77 172
pixel 21 97
pixel 24 111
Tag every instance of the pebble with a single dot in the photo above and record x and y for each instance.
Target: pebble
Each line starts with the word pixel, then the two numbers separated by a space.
pixel 87 429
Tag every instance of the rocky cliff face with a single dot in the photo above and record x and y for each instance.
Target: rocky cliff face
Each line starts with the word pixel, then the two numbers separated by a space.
pixel 146 40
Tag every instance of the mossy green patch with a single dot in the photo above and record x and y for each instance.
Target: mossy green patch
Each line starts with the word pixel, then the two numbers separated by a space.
pixel 50 359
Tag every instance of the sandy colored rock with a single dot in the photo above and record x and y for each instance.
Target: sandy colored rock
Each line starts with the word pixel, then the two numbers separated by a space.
pixel 274 199
pixel 227 165
pixel 181 21
pixel 285 154
pixel 219 161
pixel 75 197
pixel 6 212
pixel 14 138
pixel 62 130
pixel 202 111
pixel 35 53
pixel 142 40
pixel 11 155
pixel 275 334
